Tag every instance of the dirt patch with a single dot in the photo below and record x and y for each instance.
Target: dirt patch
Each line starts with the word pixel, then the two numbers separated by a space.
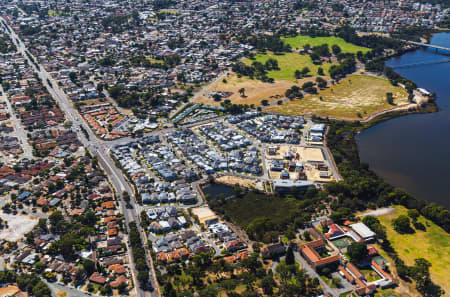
pixel 236 180
pixel 61 294
pixel 9 291
pixel 18 226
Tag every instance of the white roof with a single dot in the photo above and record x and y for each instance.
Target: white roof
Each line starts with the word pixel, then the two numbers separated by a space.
pixel 362 230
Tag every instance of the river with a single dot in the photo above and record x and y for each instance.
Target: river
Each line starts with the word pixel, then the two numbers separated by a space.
pixel 413 152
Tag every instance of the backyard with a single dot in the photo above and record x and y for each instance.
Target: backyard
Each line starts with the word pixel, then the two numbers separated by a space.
pixel 353 98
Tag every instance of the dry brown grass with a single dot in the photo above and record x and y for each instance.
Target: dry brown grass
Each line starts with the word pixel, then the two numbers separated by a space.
pixel 353 98
pixel 255 90
pixel 236 180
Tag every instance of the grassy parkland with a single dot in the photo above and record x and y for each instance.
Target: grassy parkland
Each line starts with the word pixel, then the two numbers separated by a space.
pixel 354 98
pixel 433 244
pixel 300 41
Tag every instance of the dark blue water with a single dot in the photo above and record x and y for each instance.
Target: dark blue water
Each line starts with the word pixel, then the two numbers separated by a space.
pixel 413 152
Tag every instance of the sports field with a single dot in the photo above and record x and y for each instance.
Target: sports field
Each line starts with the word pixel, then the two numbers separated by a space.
pixel 353 98
pixel 432 244
pixel 301 40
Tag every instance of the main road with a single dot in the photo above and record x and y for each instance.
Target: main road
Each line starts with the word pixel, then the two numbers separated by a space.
pixel 95 147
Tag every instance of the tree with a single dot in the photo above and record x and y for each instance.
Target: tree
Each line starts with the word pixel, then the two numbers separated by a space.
pixel 89 266
pixel 264 102
pixel 242 92
pixel 336 49
pixel 336 282
pixel 321 83
pixel 41 290
pixel 126 197
pixel 290 258
pixel 267 284
pixel 55 219
pixel 73 76
pixel 217 97
pixel 402 225
pixel 320 71
pixel 413 214
pixel 123 287
pixel 80 275
pixel 390 98
pixel 305 71
pixel 228 285
pixel 357 251
pixel 143 278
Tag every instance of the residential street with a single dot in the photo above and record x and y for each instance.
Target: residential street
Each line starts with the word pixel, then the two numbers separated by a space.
pixel 18 128
pixel 113 173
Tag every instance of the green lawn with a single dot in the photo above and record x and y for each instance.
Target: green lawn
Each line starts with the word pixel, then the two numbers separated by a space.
pixel 370 275
pixel 300 41
pixel 288 63
pixel 432 244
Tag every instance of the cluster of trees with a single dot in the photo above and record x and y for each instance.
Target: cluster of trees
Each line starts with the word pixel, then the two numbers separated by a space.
pixel 302 73
pixel 264 42
pixel 120 23
pixel 139 256
pixel 129 99
pixel 318 51
pixel 235 108
pixel 29 30
pixel 321 83
pixel 396 78
pixel 6 45
pixel 345 67
pixel 256 70
pixel 162 4
pixel 248 272
pixel 73 234
pixel 30 283
pixel 294 92
pixel 271 215
pixel 402 225
pixel 106 61
pixel 357 251
pixel 296 282
pixel 309 87
pixel 141 61
pixel 377 43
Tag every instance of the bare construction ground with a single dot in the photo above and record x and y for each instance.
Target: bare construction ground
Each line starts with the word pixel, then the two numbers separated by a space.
pixel 236 180
pixel 307 155
pixel 18 226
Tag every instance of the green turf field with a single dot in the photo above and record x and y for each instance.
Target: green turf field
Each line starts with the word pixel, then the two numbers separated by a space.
pixel 300 41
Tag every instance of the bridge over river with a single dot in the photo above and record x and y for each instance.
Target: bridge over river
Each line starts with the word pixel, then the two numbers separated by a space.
pixel 436 47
